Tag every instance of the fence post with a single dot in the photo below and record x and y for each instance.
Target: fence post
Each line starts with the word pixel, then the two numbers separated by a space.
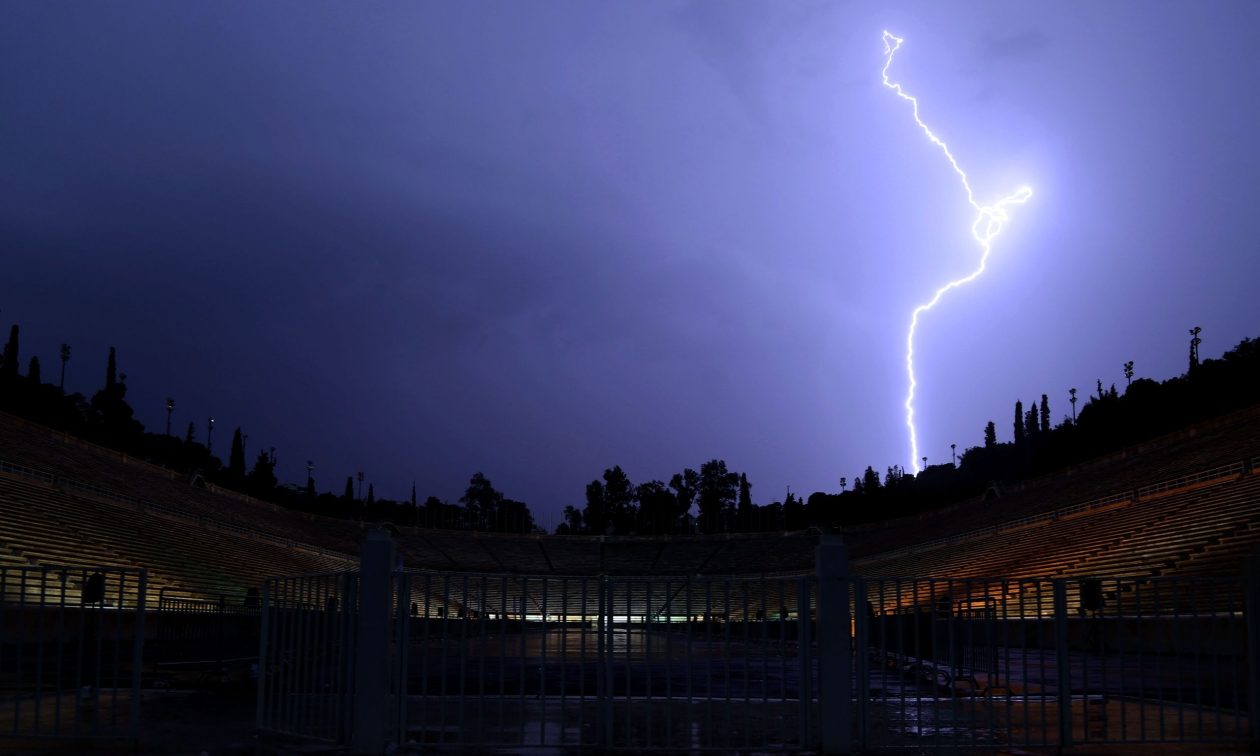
pixel 1251 586
pixel 371 665
pixel 1063 660
pixel 835 660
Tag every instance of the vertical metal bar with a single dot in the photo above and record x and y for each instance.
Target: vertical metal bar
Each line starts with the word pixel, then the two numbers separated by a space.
pixel 39 650
pixel 629 707
pixel 1139 638
pixel 261 715
pixel 747 664
pixel 708 663
pixel 765 661
pixel 582 654
pixel 803 617
pixel 482 651
pixel 503 634
pixel 861 677
pixel 564 661
pixel 402 657
pixel 461 694
pixel 727 652
pixel 605 661
pixel 137 655
pixel 1159 653
pixel 647 655
pixel 1062 658
pixel 425 652
pixel 446 653
pixel 523 666
pixel 544 671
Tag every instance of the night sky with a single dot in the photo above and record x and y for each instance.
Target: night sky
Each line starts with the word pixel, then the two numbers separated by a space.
pixel 542 238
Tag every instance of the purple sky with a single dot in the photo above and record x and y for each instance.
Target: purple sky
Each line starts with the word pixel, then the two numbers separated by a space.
pixel 538 239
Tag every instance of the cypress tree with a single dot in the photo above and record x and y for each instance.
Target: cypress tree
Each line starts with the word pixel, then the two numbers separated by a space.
pixel 990 435
pixel 348 496
pixel 32 372
pixel 371 496
pixel 1045 414
pixel 1019 422
pixel 236 458
pixel 9 368
pixel 111 370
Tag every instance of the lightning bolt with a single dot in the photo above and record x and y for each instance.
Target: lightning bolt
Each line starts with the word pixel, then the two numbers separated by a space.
pixel 984 229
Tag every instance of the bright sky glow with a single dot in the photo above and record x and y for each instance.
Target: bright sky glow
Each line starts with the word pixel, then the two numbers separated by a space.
pixel 984 229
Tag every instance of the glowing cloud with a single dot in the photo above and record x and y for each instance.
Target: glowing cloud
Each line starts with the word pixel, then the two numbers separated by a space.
pixel 984 229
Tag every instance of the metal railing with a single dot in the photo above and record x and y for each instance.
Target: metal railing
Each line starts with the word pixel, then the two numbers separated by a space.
pixel 71 647
pixel 828 661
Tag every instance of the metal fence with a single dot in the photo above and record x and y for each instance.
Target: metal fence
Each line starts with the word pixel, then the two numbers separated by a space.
pixel 824 661
pixel 634 663
pixel 71 646
pixel 966 664
pixel 306 655
pixel 204 640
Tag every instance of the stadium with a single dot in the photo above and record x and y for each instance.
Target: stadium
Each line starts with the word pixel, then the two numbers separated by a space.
pixel 729 254
pixel 1106 604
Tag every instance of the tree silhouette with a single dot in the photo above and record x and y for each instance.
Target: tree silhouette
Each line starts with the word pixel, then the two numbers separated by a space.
pixel 1045 413
pixel 1072 394
pixel 111 370
pixel 1128 373
pixel 685 485
pixel 619 500
pixel 481 502
pixel 348 495
pixel 990 435
pixel 1194 348
pixel 236 457
pixel 9 367
pixel 1019 422
pixel 32 372
pixel 744 509
pixel 659 509
pixel 716 496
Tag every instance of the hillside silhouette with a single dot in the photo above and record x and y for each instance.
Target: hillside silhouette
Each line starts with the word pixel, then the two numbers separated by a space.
pixel 710 499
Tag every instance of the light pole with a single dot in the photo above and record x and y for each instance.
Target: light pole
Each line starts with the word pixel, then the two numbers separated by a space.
pixel 953 455
pixel 310 467
pixel 210 436
pixel 170 407
pixel 925 463
pixel 1072 392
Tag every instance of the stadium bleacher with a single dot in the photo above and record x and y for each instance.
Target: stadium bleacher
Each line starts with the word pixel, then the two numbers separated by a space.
pixel 1186 504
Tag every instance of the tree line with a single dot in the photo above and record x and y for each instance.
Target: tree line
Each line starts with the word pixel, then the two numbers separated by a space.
pixel 712 499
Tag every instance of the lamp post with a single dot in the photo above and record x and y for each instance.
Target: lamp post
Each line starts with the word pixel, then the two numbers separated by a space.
pixel 65 357
pixel 925 463
pixel 210 436
pixel 310 467
pixel 170 407
pixel 953 454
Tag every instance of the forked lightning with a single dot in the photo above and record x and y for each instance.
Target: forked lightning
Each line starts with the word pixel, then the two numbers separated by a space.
pixel 987 225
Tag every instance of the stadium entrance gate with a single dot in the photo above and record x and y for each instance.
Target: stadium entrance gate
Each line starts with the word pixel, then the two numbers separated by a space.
pixel 71 642
pixel 823 662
